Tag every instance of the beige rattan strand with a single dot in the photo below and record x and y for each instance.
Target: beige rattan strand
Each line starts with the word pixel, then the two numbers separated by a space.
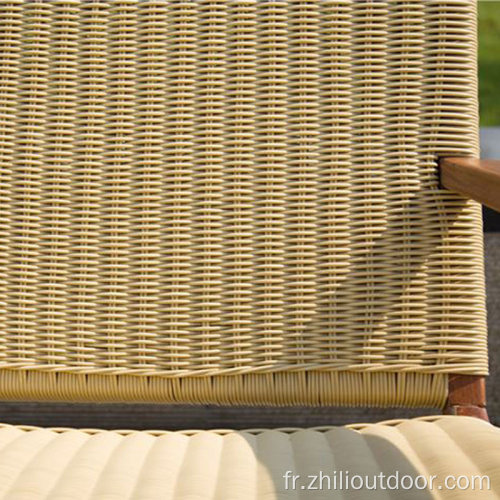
pixel 237 201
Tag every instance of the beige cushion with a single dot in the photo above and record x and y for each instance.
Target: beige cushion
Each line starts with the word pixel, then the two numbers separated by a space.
pixel 68 464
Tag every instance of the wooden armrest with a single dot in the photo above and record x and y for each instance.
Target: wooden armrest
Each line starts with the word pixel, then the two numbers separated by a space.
pixel 473 178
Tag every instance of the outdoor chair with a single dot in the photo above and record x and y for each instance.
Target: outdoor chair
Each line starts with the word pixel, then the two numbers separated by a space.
pixel 239 202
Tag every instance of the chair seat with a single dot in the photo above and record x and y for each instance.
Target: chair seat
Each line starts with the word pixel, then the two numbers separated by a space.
pixel 259 464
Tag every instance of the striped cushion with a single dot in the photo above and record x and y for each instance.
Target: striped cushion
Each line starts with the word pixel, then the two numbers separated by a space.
pixel 68 464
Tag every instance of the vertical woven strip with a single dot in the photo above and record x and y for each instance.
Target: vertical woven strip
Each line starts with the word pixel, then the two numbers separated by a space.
pixel 237 201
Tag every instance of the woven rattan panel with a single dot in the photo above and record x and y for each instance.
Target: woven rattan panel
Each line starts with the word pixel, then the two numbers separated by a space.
pixel 237 201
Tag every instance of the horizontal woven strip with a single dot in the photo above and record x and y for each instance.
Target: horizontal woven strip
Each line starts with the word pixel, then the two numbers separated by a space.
pixel 226 188
pixel 283 388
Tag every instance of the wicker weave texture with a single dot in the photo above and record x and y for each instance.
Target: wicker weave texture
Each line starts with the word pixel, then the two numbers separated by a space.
pixel 236 188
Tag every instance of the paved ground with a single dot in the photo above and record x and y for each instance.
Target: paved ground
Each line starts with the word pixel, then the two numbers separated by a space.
pixel 490 143
pixel 492 251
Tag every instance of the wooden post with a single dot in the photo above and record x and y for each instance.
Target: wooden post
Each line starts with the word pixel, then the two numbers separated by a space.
pixel 479 180
pixel 466 396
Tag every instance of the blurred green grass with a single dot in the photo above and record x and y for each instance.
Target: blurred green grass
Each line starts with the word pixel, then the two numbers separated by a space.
pixel 489 62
